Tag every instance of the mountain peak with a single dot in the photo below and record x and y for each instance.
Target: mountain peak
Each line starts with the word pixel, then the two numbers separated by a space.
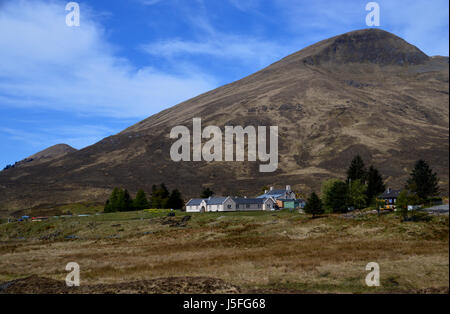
pixel 54 151
pixel 47 154
pixel 364 46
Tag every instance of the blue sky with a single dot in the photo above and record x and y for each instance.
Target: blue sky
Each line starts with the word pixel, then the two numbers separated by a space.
pixel 130 59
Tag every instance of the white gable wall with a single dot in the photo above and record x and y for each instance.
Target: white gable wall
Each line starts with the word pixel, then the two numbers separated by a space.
pixel 289 195
pixel 268 204
pixel 203 204
pixel 228 205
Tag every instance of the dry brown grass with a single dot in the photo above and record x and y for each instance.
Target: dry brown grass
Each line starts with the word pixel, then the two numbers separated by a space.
pixel 258 252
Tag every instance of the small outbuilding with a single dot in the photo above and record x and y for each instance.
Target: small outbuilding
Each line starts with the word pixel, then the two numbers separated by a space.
pixel 390 198
pixel 291 203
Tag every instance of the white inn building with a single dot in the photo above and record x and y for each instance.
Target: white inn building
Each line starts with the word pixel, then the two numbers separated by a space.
pixel 222 204
pixel 266 201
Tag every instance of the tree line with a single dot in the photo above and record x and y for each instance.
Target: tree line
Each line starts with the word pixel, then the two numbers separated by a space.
pixel 363 185
pixel 160 197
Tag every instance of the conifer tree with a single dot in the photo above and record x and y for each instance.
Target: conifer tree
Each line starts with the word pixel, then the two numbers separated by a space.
pixel 423 181
pixel 336 197
pixel 140 202
pixel 125 202
pixel 375 184
pixel 314 205
pixel 112 204
pixel 160 196
pixel 175 200
pixel 357 170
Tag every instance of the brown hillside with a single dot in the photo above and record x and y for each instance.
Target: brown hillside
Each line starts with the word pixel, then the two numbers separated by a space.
pixel 45 155
pixel 366 92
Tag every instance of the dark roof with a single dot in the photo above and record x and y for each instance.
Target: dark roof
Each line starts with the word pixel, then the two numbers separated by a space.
pixel 194 202
pixel 215 200
pixel 273 193
pixel 242 200
pixel 209 201
pixel 389 193
pixel 276 192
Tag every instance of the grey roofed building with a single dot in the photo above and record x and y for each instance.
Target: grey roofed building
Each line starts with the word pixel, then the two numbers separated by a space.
pixel 243 203
pixel 194 202
pixel 285 199
pixel 209 201
pixel 215 200
pixel 389 193
pixel 274 192
pixel 390 197
pixel 214 204
pixel 208 204
pixel 243 200
pixel 277 194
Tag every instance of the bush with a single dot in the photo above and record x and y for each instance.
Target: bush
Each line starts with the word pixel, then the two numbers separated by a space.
pixel 419 216
pixel 404 199
pixel 357 194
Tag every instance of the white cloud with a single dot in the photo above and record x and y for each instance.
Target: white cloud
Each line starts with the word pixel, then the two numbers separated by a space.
pixel 44 63
pixel 242 49
pixel 149 2
pixel 249 50
pixel 246 6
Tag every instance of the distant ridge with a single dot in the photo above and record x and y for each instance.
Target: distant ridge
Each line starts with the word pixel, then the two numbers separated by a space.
pixel 54 151
pixel 47 154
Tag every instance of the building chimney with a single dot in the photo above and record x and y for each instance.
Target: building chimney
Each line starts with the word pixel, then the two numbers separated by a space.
pixel 288 187
pixel 271 188
pixel 265 191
